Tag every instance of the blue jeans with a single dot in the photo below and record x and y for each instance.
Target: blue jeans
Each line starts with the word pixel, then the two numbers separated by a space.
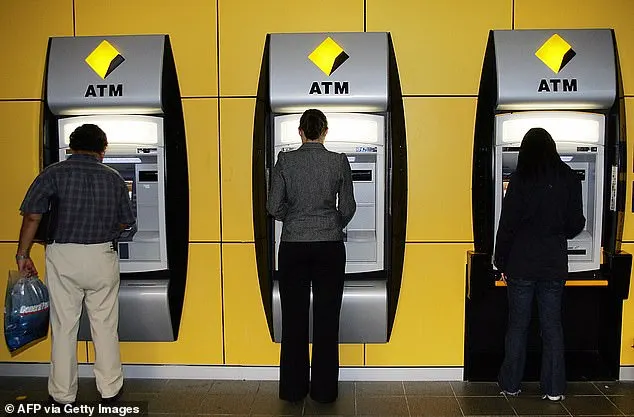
pixel 520 297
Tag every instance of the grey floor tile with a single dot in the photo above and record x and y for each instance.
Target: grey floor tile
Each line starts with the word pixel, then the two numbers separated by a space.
pixel 345 405
pixel 176 403
pixel 235 387
pixel 475 389
pixel 616 387
pixel 23 384
pixel 272 405
pixel 427 388
pixel 434 406
pixel 535 406
pixel 133 385
pixel 581 388
pixel 625 403
pixel 382 406
pixel 227 403
pixel 379 388
pixel 193 386
pixel 485 406
pixel 590 406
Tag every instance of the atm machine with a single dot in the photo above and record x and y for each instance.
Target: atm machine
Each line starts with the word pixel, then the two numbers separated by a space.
pixel 127 85
pixel 567 82
pixel 353 79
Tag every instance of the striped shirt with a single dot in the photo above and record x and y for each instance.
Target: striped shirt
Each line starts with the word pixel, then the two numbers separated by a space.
pixel 91 200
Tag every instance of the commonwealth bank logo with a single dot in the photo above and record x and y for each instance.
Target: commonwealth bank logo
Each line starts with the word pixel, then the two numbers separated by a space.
pixel 328 56
pixel 555 53
pixel 104 59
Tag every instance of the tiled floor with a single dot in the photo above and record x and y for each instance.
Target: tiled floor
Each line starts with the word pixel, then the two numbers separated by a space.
pixel 259 398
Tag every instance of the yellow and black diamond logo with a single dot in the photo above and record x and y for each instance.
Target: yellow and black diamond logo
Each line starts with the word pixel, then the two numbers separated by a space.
pixel 555 53
pixel 328 56
pixel 104 59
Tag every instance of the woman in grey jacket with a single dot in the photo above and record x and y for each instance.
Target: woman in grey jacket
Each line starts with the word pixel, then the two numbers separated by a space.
pixel 311 193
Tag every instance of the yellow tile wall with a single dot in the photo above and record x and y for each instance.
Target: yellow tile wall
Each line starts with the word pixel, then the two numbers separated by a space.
pixel 25 27
pixel 218 51
pixel 191 26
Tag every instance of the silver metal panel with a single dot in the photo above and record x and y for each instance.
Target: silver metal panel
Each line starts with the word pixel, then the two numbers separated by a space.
pixel 292 73
pixel 520 72
pixel 144 314
pixel 363 316
pixel 581 160
pixel 69 76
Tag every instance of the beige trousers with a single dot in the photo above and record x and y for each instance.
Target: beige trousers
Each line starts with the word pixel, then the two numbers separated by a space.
pixel 88 273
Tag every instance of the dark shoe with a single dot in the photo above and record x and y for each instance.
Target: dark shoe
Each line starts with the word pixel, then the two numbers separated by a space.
pixel 323 400
pixel 114 399
pixel 292 398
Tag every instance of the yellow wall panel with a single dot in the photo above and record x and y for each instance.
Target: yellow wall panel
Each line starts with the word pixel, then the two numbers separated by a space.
pixel 439 153
pixel 20 144
pixel 439 45
pixel 429 325
pixel 200 337
pixel 201 129
pixel 25 27
pixel 41 351
pixel 247 337
pixel 572 14
pixel 236 144
pixel 628 228
pixel 191 26
pixel 244 24
pixel 627 335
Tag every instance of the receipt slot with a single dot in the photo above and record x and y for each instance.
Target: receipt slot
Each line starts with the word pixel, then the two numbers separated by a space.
pixel 567 82
pixel 127 86
pixel 362 101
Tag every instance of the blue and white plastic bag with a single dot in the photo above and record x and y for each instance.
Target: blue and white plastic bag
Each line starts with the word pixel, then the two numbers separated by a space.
pixel 26 311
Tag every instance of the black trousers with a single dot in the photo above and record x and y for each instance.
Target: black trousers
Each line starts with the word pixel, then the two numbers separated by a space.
pixel 301 264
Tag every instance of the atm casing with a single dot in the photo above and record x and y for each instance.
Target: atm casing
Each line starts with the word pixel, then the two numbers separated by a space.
pixel 510 94
pixel 376 235
pixel 153 161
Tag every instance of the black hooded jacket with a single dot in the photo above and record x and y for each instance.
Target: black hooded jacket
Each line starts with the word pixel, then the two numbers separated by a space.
pixel 537 218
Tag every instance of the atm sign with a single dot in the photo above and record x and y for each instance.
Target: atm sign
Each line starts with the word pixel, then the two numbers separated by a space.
pixel 103 60
pixel 556 53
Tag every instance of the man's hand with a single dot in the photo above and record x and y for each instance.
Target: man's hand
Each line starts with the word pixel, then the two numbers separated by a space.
pixel 26 267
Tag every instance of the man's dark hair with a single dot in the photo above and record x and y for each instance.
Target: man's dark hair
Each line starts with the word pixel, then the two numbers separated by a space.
pixel 88 138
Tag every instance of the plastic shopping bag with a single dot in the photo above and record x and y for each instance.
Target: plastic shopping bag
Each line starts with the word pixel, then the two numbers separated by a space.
pixel 26 310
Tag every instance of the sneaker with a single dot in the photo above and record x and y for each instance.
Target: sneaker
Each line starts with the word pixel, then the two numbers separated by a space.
pixel 511 394
pixel 553 397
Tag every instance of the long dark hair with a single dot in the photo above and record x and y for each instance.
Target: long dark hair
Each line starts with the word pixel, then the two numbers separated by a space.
pixel 538 158
pixel 314 123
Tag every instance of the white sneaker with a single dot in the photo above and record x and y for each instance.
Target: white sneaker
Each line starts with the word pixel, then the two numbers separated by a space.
pixel 511 394
pixel 554 397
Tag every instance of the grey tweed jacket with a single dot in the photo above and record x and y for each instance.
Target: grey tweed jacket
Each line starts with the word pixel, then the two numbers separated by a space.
pixel 305 185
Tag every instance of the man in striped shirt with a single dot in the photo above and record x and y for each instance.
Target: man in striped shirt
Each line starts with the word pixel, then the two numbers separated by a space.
pixel 91 208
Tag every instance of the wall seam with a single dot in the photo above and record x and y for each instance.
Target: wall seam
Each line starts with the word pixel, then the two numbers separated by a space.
pixel 74 20
pixel 222 272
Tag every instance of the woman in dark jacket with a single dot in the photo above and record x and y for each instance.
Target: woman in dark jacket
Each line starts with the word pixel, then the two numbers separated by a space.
pixel 311 193
pixel 541 210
